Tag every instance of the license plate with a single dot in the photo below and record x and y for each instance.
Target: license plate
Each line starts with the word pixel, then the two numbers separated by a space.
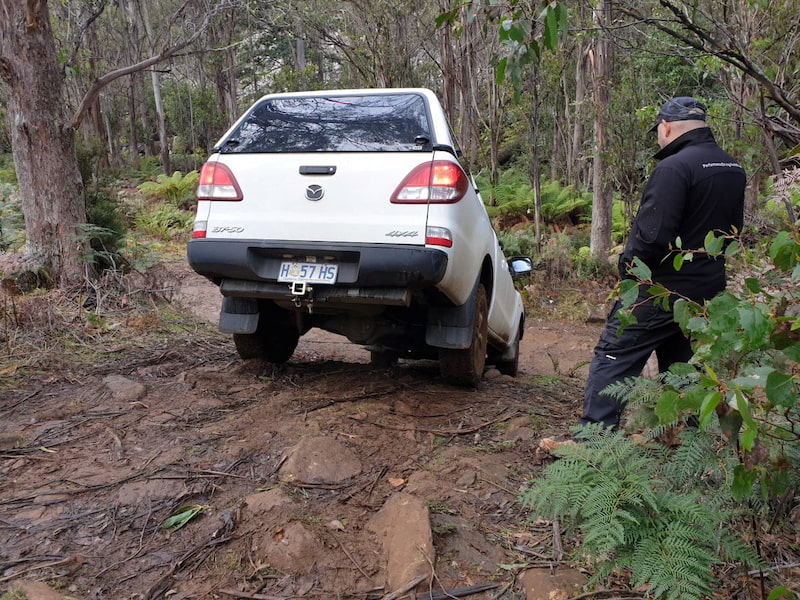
pixel 308 272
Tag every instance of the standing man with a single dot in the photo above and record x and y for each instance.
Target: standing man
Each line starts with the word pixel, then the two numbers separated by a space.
pixel 696 188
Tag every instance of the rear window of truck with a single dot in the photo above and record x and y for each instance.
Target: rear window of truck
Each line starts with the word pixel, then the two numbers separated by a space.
pixel 373 123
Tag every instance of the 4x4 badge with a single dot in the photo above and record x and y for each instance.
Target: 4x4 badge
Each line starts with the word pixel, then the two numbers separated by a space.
pixel 314 192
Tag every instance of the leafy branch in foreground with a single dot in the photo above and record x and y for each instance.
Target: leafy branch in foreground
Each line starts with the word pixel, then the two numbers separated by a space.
pixel 745 371
pixel 670 515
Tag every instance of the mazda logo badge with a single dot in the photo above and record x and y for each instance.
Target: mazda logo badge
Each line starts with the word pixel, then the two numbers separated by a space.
pixel 314 192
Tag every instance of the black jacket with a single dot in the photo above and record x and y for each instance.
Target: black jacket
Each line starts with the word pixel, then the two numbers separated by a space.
pixel 696 188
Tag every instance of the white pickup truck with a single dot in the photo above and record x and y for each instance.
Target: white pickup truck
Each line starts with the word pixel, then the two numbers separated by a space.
pixel 350 211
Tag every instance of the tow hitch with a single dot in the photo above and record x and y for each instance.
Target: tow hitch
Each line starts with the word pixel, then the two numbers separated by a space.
pixel 302 293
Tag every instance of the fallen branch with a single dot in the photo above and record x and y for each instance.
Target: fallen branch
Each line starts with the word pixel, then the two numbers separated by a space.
pixel 198 554
pixel 65 561
pixel 773 568
pixel 603 593
pixel 369 484
pixel 332 401
pixel 248 596
pixel 350 556
pixel 502 591
pixel 558 547
pixel 85 489
pixel 460 592
pixel 10 407
pixel 442 432
pixel 399 593
pixel 317 486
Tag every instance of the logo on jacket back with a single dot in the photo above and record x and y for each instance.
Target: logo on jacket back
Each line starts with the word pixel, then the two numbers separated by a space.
pixel 314 192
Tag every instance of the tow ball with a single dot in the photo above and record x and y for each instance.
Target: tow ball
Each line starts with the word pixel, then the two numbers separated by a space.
pixel 302 293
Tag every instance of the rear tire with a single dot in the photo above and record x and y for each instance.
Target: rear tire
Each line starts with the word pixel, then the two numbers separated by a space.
pixel 275 338
pixel 382 359
pixel 465 367
pixel 511 366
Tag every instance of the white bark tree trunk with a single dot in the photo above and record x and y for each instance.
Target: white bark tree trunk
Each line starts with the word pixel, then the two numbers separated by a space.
pixel 600 239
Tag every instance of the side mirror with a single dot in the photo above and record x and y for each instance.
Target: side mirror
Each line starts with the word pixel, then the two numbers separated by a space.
pixel 520 265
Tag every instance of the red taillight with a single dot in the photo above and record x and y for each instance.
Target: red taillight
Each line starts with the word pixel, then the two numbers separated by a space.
pixel 438 182
pixel 439 236
pixel 217 183
pixel 199 230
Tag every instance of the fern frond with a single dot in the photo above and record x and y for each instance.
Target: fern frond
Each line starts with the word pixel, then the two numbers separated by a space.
pixel 636 391
pixel 628 512
pixel 672 563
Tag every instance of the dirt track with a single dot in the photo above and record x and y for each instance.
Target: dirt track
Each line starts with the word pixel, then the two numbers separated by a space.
pixel 94 459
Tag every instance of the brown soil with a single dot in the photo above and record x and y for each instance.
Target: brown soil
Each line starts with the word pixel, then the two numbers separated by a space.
pixel 94 459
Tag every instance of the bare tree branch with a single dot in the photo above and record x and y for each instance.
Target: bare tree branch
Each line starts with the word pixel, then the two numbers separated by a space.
pixel 686 29
pixel 733 57
pixel 82 31
pixel 166 52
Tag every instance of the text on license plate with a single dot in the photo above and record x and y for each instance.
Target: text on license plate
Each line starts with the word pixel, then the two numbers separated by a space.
pixel 310 272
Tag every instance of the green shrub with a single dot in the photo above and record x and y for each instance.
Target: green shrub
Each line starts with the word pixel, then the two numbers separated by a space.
pixel 103 210
pixel 561 204
pixel 620 226
pixel 150 166
pixel 741 390
pixel 511 196
pixel 8 172
pixel 514 197
pixel 12 225
pixel 518 242
pixel 14 594
pixel 746 343
pixel 177 189
pixel 165 222
pixel 562 256
pixel 87 156
pixel 631 510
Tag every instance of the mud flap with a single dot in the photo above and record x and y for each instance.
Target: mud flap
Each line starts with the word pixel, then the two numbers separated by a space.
pixel 451 327
pixel 510 353
pixel 238 315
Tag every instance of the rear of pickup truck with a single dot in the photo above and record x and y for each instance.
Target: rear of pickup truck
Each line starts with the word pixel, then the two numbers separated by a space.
pixel 350 211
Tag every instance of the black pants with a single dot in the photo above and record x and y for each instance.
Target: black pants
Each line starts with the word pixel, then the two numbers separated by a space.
pixel 618 357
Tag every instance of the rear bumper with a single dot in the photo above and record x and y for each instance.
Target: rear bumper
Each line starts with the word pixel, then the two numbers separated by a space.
pixel 360 265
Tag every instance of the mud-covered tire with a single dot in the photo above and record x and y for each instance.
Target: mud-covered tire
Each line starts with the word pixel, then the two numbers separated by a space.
pixel 510 366
pixel 382 358
pixel 465 367
pixel 275 338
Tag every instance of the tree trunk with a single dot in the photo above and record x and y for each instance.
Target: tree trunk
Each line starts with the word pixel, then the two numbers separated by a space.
pixel 600 240
pixel 534 167
pixel 575 163
pixel 300 53
pixel 133 136
pixel 49 181
pixel 163 141
pixel 160 115
pixel 447 49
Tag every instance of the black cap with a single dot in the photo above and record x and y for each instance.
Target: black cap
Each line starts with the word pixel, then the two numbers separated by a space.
pixel 683 108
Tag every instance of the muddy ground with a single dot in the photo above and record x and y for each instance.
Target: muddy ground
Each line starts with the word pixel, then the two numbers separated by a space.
pixel 96 455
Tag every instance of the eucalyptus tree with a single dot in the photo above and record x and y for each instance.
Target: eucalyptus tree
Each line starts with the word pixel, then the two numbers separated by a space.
pixel 752 49
pixel 43 130
pixel 600 242
pixel 751 46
